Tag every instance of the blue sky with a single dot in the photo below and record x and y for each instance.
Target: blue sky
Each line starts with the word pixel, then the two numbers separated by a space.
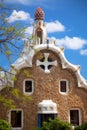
pixel 66 22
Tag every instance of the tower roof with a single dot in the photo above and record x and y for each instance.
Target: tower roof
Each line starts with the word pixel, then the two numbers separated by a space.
pixel 39 14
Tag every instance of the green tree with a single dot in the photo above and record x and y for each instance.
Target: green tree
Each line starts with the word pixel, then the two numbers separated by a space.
pixel 10 33
pixel 4 125
pixel 10 38
pixel 82 127
pixel 55 124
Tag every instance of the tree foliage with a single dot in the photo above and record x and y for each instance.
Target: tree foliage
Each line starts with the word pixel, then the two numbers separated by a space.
pixel 10 103
pixel 10 33
pixel 55 124
pixel 82 127
pixel 4 125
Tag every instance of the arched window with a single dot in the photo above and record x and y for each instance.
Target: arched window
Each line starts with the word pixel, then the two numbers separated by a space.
pixel 63 86
pixel 28 86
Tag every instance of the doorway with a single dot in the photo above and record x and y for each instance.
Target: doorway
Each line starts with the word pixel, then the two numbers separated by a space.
pixel 45 118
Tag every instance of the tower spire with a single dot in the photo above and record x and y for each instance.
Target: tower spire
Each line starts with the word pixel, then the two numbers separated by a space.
pixel 39 32
pixel 39 14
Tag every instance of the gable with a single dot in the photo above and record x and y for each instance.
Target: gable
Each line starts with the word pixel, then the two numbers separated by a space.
pixel 32 55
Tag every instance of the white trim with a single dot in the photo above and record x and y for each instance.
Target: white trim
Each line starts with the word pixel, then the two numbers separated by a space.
pixel 26 61
pixel 65 63
pixel 47 107
pixel 9 117
pixel 80 115
pixel 29 79
pixel 67 86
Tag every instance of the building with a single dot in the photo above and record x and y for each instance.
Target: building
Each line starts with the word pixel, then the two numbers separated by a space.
pixel 54 86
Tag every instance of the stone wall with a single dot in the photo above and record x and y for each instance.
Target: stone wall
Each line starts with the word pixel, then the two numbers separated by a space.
pixel 46 87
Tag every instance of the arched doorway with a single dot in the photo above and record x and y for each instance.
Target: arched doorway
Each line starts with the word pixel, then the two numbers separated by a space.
pixel 39 34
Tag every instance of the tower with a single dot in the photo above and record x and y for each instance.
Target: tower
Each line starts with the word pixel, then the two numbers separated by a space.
pixel 39 32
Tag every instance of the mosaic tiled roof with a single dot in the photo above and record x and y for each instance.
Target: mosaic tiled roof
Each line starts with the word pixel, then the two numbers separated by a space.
pixel 39 14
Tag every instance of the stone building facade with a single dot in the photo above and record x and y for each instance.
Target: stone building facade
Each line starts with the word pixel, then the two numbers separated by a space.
pixel 46 84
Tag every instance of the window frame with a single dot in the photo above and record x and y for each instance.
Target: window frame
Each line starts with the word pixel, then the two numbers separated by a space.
pixel 80 116
pixel 16 128
pixel 29 93
pixel 67 86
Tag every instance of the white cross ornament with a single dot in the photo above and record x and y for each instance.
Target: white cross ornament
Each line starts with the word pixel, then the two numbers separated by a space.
pixel 46 63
